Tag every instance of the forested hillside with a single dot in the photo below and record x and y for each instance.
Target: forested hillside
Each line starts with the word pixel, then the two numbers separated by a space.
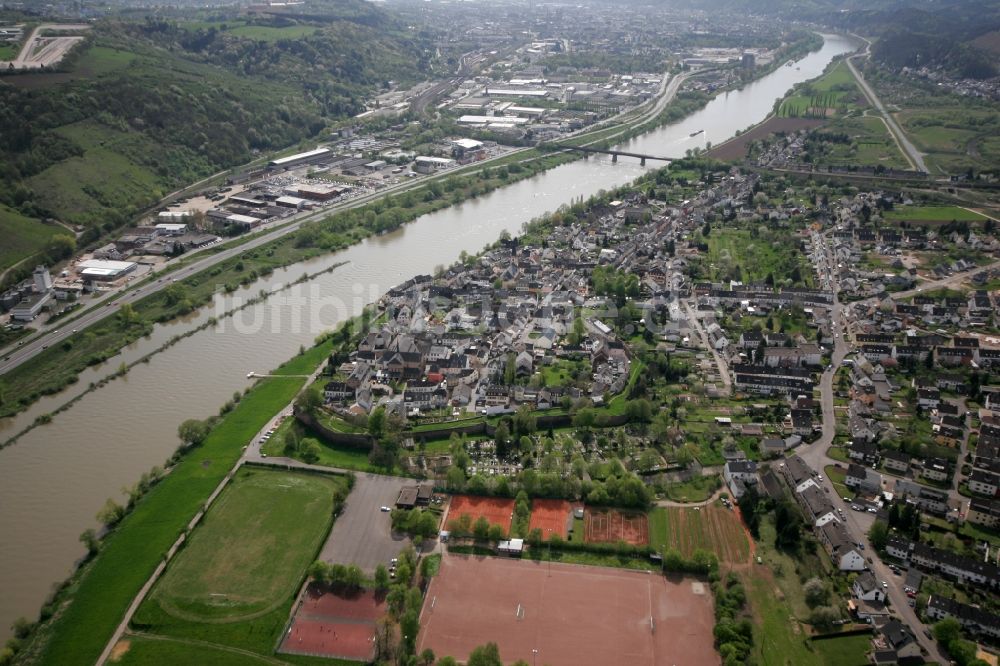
pixel 147 106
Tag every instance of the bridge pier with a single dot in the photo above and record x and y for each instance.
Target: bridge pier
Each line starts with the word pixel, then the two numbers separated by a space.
pixel 614 157
pixel 642 162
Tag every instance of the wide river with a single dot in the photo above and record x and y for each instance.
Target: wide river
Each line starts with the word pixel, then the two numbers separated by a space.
pixel 54 480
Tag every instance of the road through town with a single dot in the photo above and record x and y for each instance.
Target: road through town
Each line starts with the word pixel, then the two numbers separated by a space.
pixel 815 455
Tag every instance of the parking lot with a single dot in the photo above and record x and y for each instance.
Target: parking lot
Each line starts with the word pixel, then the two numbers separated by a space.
pixel 362 534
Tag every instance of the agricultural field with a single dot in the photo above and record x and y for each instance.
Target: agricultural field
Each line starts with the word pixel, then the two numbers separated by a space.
pixel 713 528
pixel 237 576
pixel 834 93
pixel 869 143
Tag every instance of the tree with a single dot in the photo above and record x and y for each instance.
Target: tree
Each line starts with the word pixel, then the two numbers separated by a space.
pixel 377 423
pixel 308 401
pixel 353 576
pixel 485 655
pixel 427 657
pixel 815 592
pixel 311 451
pixel 381 578
pixel 193 431
pixel 447 661
pixel 111 513
pixel 749 503
pixel 824 616
pixel 947 630
pixel 481 528
pixel 878 534
pixel 496 533
pixel 89 539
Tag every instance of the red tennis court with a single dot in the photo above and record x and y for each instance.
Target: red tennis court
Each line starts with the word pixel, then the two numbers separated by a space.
pixel 334 624
pixel 612 526
pixel 565 614
pixel 551 516
pixel 497 510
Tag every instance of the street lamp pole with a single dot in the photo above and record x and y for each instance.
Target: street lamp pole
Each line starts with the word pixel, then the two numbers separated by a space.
pixel 534 656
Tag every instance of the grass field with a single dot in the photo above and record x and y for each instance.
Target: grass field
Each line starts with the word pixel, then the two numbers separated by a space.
pixel 103 590
pixel 330 455
pixel 22 236
pixel 844 651
pixel 777 601
pixel 933 214
pixel 870 143
pixel 732 251
pixel 8 51
pixel 99 60
pixel 254 545
pixel 143 650
pixel 953 133
pixel 713 528
pixel 264 33
pixel 697 489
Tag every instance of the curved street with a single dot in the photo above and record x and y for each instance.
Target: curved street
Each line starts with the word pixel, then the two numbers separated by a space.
pixel 815 455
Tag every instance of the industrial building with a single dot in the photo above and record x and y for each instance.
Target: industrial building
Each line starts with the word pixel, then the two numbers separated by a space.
pixel 170 229
pixel 101 270
pixel 425 164
pixel 299 159
pixel 319 191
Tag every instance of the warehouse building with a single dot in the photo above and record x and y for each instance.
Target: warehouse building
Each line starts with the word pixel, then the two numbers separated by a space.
pixel 299 159
pixel 102 270
pixel 431 164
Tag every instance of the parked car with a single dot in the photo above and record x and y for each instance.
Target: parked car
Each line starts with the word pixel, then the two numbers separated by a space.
pixel 384 509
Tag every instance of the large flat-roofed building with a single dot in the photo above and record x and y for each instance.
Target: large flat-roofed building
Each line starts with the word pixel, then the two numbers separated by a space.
pixel 102 270
pixel 30 306
pixel 486 120
pixel 429 164
pixel 300 158
pixel 172 229
pixel 320 191
pixel 516 92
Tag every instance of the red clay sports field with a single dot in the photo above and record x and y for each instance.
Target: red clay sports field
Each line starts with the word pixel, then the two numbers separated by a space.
pixel 571 614
pixel 334 624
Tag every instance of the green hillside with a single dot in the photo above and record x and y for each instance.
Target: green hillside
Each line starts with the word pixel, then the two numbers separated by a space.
pixel 145 107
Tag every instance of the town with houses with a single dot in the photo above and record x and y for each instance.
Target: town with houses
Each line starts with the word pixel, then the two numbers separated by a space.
pixel 900 344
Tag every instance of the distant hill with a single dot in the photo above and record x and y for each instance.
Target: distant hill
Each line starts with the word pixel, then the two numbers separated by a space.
pixel 957 35
pixel 147 106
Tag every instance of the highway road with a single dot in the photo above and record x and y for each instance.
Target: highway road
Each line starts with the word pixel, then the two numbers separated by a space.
pixel 103 307
pixel 913 156
pixel 815 455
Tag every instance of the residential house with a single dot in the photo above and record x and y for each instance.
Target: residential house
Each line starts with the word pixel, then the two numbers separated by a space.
pixel 863 479
pixel 845 555
pixel 935 469
pixel 863 452
pixel 974 620
pixel 983 512
pixel 867 588
pixel 898 638
pixel 896 461
pixel 984 483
